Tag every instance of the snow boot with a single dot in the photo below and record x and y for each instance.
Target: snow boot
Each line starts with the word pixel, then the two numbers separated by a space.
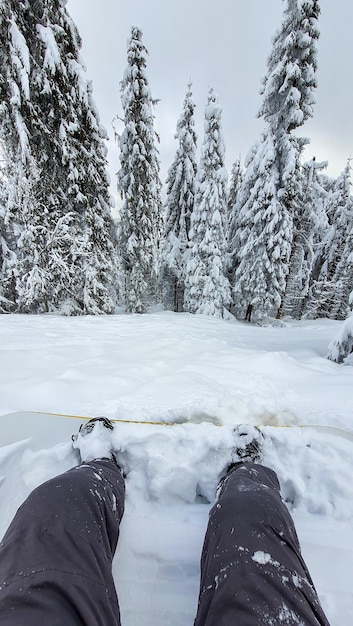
pixel 248 444
pixel 94 440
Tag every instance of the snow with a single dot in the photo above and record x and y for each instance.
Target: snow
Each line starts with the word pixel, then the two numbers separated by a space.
pixel 261 557
pixel 21 62
pixel 52 58
pixel 178 367
pixel 341 346
pixel 94 444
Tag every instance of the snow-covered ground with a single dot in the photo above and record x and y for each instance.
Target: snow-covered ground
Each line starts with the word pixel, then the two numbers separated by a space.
pixel 177 367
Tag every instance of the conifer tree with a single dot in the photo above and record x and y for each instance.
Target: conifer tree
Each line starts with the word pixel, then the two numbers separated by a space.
pixel 340 210
pixel 14 143
pixel 288 98
pixel 139 184
pixel 343 279
pixel 236 179
pixel 207 289
pixel 7 296
pixel 179 205
pixel 263 239
pixel 60 205
pixel 335 281
pixel 290 83
pixel 309 223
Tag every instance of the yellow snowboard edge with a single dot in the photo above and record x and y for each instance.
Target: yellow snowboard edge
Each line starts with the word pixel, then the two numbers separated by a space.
pixel 319 427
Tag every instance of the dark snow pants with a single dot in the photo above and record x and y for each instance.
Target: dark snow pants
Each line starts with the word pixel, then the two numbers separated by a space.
pixel 252 571
pixel 56 556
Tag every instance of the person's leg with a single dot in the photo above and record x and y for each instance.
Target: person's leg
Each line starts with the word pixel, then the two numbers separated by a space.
pixel 252 570
pixel 56 556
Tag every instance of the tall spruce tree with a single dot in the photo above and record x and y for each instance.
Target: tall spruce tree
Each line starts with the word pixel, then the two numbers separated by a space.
pixel 7 257
pixel 235 185
pixel 340 210
pixel 309 224
pixel 207 289
pixel 290 83
pixel 55 159
pixel 343 279
pixel 263 237
pixel 288 98
pixel 14 142
pixel 236 179
pixel 4 248
pixel 139 183
pixel 322 191
pixel 179 205
pixel 334 283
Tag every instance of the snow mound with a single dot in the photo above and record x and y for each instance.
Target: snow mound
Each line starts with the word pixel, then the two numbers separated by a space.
pixel 341 347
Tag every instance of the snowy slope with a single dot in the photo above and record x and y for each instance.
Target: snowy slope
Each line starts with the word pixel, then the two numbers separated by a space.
pixel 167 367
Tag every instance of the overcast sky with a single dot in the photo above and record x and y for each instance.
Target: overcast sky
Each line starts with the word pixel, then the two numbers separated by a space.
pixel 222 44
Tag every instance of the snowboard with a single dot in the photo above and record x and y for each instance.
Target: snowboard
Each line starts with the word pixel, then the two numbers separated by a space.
pixel 48 429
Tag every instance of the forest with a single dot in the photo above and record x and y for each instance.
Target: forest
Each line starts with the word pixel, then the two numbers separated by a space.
pixel 270 240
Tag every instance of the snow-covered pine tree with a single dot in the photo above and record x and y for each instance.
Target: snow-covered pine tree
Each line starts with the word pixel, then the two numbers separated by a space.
pixel 33 290
pixel 343 279
pixel 290 83
pixel 50 130
pixel 14 147
pixel 263 238
pixel 236 179
pixel 327 183
pixel 288 98
pixel 235 234
pixel 83 241
pixel 207 289
pixel 316 193
pixel 179 206
pixel 139 183
pixel 340 210
pixel 6 302
pixel 335 281
pixel 310 222
pixel 323 188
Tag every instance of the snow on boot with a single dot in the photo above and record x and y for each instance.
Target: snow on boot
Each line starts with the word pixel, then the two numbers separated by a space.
pixel 248 444
pixel 94 440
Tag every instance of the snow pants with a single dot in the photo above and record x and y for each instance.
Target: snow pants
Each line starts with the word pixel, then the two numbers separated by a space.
pixel 56 556
pixel 252 571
